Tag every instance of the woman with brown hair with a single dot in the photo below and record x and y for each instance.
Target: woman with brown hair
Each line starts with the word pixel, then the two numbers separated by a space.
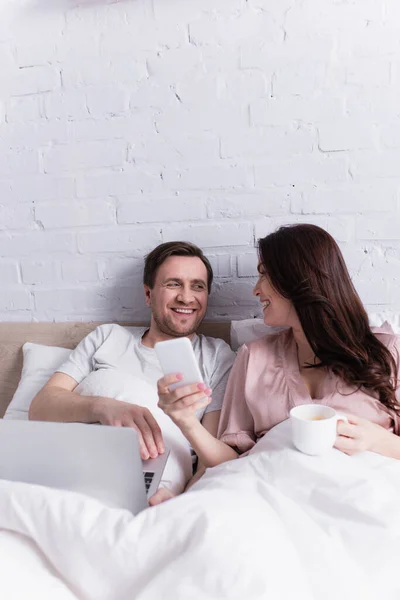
pixel 327 355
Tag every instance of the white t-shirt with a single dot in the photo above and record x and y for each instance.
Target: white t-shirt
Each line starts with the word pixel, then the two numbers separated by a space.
pixel 120 348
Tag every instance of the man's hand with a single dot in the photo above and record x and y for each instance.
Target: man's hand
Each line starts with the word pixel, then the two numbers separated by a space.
pixel 182 403
pixel 123 414
pixel 361 435
pixel 161 495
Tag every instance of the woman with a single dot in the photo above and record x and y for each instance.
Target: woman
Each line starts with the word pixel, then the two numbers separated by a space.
pixel 328 354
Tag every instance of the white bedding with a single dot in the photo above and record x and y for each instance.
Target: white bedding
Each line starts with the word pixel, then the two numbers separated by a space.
pixel 275 525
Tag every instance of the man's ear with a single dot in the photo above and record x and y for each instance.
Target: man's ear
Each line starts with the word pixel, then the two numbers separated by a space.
pixel 147 294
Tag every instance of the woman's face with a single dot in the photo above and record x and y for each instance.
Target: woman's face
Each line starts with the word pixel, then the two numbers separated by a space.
pixel 278 311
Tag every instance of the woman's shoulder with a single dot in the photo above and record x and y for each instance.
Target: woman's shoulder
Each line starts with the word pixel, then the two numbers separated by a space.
pixel 269 342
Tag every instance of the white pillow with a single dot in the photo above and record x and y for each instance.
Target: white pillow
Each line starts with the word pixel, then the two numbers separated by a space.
pixel 247 330
pixel 378 319
pixel 40 363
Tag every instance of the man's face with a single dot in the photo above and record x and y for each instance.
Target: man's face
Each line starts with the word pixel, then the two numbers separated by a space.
pixel 179 297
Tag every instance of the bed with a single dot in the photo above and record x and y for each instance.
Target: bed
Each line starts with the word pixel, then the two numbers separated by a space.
pixel 273 525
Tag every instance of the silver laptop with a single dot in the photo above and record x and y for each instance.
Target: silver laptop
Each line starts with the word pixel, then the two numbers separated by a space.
pixel 97 460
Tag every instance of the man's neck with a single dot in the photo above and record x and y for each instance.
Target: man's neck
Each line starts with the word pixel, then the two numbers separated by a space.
pixel 154 335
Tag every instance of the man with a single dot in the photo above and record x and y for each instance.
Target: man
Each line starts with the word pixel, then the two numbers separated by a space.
pixel 177 281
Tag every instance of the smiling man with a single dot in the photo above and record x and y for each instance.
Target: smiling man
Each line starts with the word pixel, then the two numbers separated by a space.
pixel 177 282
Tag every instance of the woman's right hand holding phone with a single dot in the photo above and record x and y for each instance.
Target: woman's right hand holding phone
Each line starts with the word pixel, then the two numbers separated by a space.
pixel 182 403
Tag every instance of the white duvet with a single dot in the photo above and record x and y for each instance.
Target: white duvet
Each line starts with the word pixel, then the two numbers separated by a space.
pixel 275 525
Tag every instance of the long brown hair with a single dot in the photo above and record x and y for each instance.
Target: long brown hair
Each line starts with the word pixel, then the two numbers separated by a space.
pixel 305 265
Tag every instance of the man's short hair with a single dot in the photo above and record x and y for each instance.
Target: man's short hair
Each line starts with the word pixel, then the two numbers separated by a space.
pixel 156 257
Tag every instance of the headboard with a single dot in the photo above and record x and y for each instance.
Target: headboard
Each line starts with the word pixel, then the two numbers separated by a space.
pixel 66 335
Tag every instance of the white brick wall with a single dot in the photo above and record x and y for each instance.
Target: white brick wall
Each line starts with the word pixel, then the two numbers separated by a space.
pixel 126 124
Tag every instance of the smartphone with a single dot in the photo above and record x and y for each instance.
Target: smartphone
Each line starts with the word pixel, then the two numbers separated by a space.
pixel 177 356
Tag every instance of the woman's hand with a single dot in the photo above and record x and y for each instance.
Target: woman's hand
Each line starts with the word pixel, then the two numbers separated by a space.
pixel 182 403
pixel 361 435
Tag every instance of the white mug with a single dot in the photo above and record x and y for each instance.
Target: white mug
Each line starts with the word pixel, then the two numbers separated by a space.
pixel 314 428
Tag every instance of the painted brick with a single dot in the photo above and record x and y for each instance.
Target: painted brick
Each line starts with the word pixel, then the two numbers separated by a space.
pixel 239 26
pixel 378 228
pixel 124 269
pixel 15 299
pixel 33 55
pixel 374 164
pixel 6 194
pixel 34 134
pixel 24 108
pixel 221 264
pixel 345 199
pixel 99 72
pixel 37 242
pixel 309 168
pixel 16 217
pixel 233 205
pixel 209 236
pixel 267 225
pixel 15 161
pixel 222 120
pixel 267 141
pixel 117 183
pixel 138 210
pixel 66 105
pixel 87 155
pixel 180 150
pixel 33 80
pixel 43 187
pixel 209 178
pixel 284 110
pixel 87 130
pixel 90 298
pixel 247 265
pixel 233 293
pixel 79 270
pixel 73 214
pixel 106 101
pixel 8 273
pixel 347 134
pixel 39 272
pixel 128 241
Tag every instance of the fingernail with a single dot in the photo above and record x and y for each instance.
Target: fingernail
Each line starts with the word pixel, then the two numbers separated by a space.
pixel 161 449
pixel 208 391
pixel 201 386
pixel 179 376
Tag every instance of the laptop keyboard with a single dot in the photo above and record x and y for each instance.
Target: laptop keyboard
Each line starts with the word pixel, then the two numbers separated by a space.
pixel 148 478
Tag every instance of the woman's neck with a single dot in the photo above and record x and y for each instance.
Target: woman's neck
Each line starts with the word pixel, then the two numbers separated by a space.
pixel 305 354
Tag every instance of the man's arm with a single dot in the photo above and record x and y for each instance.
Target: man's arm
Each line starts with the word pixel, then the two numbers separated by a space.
pixel 57 401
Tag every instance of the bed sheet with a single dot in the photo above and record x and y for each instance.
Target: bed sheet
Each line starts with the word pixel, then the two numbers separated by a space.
pixel 275 524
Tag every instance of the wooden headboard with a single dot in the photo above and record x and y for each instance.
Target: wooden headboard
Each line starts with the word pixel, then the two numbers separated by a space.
pixel 66 335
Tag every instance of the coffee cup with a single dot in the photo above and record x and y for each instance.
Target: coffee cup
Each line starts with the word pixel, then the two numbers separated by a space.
pixel 314 428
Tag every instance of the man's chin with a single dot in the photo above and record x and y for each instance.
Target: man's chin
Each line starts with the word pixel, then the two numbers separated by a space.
pixel 180 329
